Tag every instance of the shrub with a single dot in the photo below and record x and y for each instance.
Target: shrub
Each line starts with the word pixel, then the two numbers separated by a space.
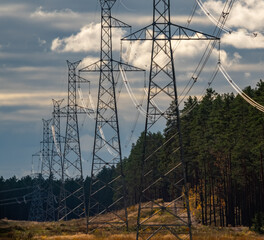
pixel 18 235
pixel 258 223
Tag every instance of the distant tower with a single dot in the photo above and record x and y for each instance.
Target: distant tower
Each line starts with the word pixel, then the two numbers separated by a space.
pixel 47 173
pixel 162 89
pixel 107 149
pixel 42 205
pixel 57 157
pixel 74 198
pixel 36 211
pixel 46 153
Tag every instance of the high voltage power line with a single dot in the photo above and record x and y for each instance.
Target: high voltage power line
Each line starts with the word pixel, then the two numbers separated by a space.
pixel 61 156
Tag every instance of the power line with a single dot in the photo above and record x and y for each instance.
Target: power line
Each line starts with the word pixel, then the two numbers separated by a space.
pixel 13 198
pixel 211 45
pixel 15 189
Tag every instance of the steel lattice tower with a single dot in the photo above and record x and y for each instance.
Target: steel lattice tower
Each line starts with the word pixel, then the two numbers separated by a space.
pixel 107 149
pixel 36 211
pixel 42 206
pixel 162 88
pixel 57 156
pixel 47 173
pixel 72 163
pixel 46 153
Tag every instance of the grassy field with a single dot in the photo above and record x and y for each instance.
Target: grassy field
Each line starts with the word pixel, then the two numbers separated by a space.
pixel 74 230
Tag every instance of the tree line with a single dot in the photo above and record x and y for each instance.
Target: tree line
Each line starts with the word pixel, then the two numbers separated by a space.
pixel 223 141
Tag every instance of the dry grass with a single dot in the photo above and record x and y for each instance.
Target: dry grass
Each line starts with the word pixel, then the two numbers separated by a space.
pixel 131 236
pixel 90 237
pixel 112 237
pixel 205 236
pixel 75 229
pixel 230 233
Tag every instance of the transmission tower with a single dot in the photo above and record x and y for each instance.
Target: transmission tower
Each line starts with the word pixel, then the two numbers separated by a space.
pixel 72 205
pixel 36 211
pixel 42 205
pixel 162 90
pixel 107 149
pixel 57 156
pixel 46 153
pixel 47 173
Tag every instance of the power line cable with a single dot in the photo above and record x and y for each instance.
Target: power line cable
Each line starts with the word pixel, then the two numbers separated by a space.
pixel 123 4
pixel 15 189
pixel 211 45
pixel 211 17
pixel 13 198
pixel 239 91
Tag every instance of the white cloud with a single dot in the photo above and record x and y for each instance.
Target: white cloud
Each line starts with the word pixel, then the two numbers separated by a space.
pixel 244 14
pixel 243 40
pixel 228 60
pixel 248 14
pixel 64 19
pixel 64 13
pixel 87 40
pixel 186 54
pixel 87 61
pixel 138 53
pixel 144 20
pixel 252 67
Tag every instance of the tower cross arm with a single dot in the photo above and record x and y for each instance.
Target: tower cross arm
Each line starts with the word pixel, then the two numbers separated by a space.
pixel 127 67
pixel 95 67
pixel 81 79
pixel 84 110
pixel 79 110
pixel 142 34
pixel 168 31
pixel 118 24
pixel 183 33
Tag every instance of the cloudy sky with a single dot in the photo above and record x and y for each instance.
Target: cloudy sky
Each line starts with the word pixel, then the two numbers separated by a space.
pixel 37 37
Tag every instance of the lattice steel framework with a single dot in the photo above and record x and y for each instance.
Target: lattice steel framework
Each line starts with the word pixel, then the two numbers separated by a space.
pixel 57 157
pixel 107 149
pixel 72 162
pixel 46 153
pixel 46 172
pixel 36 211
pixel 42 206
pixel 162 88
